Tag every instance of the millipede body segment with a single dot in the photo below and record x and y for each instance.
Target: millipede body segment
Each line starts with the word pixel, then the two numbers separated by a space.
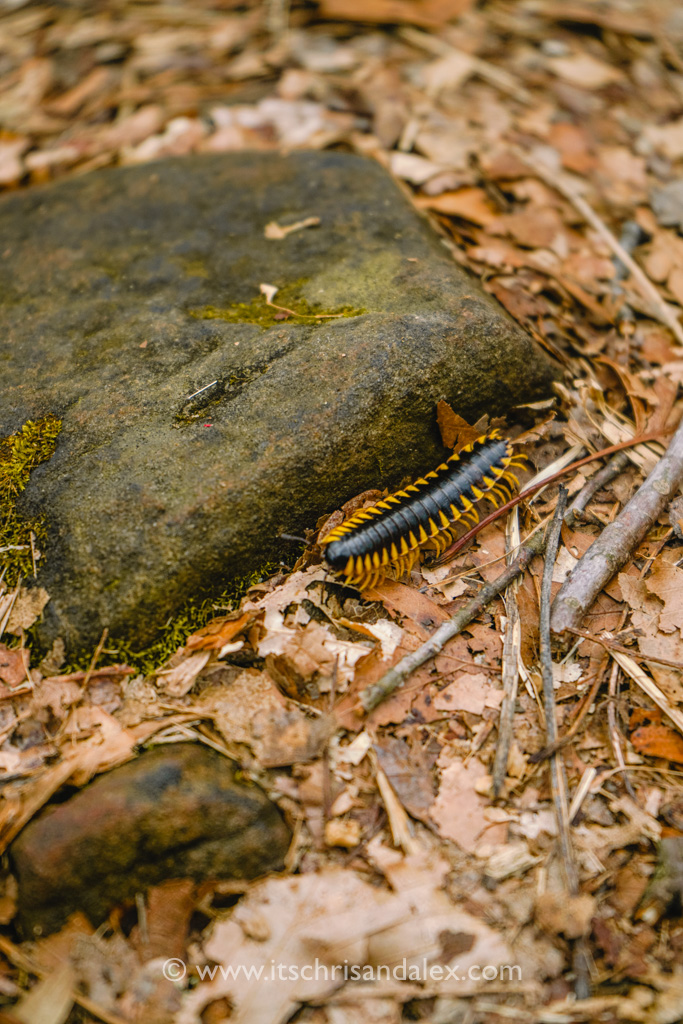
pixel 390 533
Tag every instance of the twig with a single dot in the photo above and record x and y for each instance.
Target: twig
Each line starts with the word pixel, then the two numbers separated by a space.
pixel 93 662
pixel 107 670
pixel 507 708
pixel 558 782
pixel 326 754
pixel 614 737
pixel 562 741
pixel 545 652
pixel 648 290
pixel 33 552
pixel 374 694
pixel 604 476
pixel 10 606
pixel 510 662
pixel 619 539
pixel 528 491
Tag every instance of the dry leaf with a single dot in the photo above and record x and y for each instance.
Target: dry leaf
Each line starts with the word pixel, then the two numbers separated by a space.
pixel 14 665
pixel 50 1000
pixel 27 608
pixel 468 203
pixel 459 812
pixel 217 633
pixel 178 681
pixel 586 71
pixel 658 741
pixel 470 693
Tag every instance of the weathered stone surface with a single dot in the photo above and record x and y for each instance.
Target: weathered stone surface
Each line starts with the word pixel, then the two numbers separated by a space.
pixel 104 283
pixel 174 812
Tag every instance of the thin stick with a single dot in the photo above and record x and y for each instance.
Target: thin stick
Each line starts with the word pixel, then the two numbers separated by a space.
pixel 528 491
pixel 614 737
pixel 374 694
pixel 93 662
pixel 507 708
pixel 562 741
pixel 647 289
pixel 10 606
pixel 604 476
pixel 545 652
pixel 619 539
pixel 558 782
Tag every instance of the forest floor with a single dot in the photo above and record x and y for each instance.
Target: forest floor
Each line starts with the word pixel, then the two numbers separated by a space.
pixel 544 140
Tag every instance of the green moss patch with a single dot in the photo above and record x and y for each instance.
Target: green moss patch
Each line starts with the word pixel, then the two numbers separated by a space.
pixel 20 453
pixel 288 307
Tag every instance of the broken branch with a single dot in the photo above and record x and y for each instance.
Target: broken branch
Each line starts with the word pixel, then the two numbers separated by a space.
pixel 618 541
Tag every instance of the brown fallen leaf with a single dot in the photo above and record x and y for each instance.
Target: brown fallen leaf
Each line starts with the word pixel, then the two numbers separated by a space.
pixel 666 582
pixel 455 431
pixel 169 908
pixel 658 741
pixel 13 665
pixel 26 609
pixel 180 679
pixel 217 632
pixel 470 693
pixel 418 609
pixel 459 812
pixel 469 203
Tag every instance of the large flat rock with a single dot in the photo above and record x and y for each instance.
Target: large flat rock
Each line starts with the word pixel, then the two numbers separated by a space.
pixel 117 300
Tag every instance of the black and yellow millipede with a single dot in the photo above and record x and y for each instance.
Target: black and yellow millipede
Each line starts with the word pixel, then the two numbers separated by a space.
pixel 390 533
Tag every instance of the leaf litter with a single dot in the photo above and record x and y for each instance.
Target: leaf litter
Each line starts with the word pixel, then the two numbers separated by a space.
pixel 543 140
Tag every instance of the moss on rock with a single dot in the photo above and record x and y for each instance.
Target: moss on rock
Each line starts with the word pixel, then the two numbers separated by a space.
pixel 20 453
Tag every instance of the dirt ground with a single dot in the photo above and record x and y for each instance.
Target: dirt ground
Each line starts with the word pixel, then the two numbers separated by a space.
pixel 478 847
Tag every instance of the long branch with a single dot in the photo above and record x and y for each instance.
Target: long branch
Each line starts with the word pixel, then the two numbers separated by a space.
pixel 619 539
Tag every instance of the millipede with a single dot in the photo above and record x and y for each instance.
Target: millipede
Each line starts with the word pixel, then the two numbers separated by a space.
pixel 390 533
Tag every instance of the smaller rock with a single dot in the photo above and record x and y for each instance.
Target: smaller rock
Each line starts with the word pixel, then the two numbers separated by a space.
pixel 175 812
